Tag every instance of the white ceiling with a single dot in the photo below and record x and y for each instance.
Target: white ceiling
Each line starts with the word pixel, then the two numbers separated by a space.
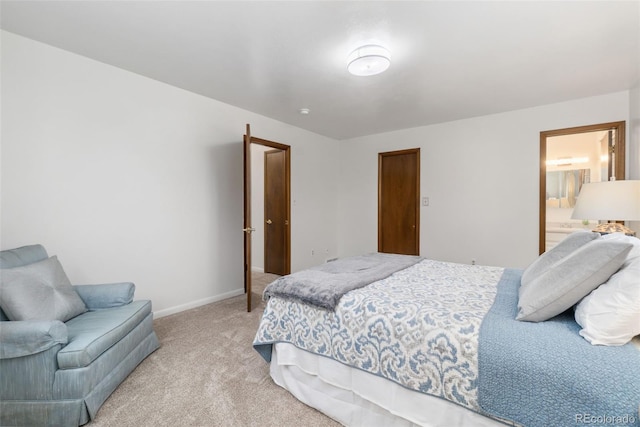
pixel 450 60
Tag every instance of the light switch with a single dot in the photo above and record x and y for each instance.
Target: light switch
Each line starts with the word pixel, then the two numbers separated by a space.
pixel 425 201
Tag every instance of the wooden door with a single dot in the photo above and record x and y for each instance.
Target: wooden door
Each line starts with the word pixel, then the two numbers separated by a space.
pixel 247 216
pixel 275 212
pixel 398 202
pixel 248 229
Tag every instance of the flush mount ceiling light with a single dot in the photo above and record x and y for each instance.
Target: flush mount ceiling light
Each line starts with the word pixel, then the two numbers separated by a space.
pixel 368 60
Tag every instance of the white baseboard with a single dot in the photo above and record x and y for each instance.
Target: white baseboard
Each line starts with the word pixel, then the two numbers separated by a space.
pixel 257 269
pixel 194 304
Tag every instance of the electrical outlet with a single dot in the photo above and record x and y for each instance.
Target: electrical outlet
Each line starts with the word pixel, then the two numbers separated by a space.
pixel 473 261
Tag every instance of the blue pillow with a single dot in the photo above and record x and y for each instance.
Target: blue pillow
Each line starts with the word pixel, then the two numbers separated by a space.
pixel 570 279
pixel 39 291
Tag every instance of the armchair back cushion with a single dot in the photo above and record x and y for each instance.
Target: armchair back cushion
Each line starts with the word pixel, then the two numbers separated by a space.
pixel 24 255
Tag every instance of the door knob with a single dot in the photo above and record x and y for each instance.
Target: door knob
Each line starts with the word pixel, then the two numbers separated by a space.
pixel 269 221
pixel 248 229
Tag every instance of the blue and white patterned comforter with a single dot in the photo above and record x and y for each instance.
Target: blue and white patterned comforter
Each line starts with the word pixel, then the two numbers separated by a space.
pixel 418 328
pixel 449 330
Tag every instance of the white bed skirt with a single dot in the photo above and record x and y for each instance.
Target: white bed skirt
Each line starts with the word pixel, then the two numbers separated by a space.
pixel 357 398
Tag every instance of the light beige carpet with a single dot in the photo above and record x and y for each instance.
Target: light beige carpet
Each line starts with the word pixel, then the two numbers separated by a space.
pixel 206 373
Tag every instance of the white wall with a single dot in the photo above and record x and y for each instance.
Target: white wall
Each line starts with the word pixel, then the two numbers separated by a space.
pixel 126 178
pixel 481 176
pixel 257 206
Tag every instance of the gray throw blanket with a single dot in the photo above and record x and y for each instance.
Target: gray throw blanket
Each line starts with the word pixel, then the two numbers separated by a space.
pixel 324 285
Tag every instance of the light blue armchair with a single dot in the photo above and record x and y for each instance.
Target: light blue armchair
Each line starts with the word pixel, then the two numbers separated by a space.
pixel 55 373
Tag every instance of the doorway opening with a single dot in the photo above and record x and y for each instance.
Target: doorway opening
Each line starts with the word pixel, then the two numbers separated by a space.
pixel 570 158
pixel 267 208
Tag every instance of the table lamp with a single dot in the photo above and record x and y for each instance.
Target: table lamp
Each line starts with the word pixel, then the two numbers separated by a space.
pixel 609 201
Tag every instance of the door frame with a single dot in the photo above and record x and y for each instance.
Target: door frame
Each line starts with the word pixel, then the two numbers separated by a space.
pixel 381 156
pixel 619 171
pixel 248 140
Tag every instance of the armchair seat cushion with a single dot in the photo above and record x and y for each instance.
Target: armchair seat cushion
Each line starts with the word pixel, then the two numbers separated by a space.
pixel 94 332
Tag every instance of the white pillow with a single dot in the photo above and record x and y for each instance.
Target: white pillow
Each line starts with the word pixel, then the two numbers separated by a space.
pixel 610 315
pixel 566 247
pixel 567 281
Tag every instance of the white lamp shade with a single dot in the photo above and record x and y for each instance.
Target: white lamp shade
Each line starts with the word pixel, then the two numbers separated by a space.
pixel 368 60
pixel 610 200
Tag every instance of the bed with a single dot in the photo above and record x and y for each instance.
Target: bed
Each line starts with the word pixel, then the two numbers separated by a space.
pixel 390 340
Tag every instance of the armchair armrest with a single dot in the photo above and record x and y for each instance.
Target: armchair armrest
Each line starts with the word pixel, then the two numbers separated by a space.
pixel 108 295
pixel 22 338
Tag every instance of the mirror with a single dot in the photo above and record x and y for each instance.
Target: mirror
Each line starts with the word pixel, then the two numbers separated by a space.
pixel 563 187
pixel 570 158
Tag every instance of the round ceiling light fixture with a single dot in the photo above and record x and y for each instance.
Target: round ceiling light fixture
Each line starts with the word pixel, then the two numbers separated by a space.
pixel 368 60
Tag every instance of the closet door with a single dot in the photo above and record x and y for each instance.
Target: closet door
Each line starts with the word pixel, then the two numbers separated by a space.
pixel 275 212
pixel 398 202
